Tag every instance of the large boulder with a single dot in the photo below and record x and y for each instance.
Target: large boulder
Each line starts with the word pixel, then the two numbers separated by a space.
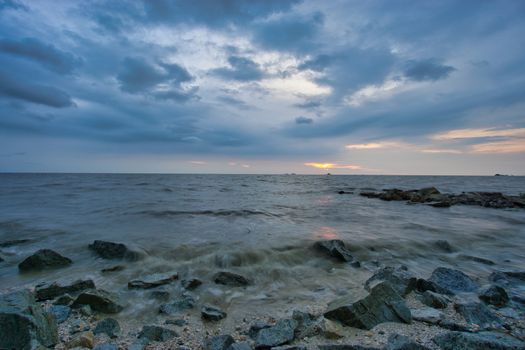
pixel 53 290
pixel 477 341
pixel 402 281
pixel 111 250
pixel 383 304
pixel 230 279
pixel 24 325
pixel 281 333
pixel 478 313
pixel 152 281
pixel 99 300
pixel 335 248
pixel 450 281
pixel 44 259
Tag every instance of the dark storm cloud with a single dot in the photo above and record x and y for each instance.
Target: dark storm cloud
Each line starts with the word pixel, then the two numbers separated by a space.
pixel 45 54
pixel 241 69
pixel 303 120
pixel 213 13
pixel 35 93
pixel 429 69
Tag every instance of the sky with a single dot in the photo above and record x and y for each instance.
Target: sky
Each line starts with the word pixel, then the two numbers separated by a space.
pixel 263 86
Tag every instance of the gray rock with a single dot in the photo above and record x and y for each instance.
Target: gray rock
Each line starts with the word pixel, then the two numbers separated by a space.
pixel 256 327
pixel 345 347
pixel 44 259
pixel 434 300
pixel 177 306
pixel 336 249
pixel 290 347
pixel 401 342
pixel 281 333
pixel 240 346
pixel 219 342
pixel 108 326
pixel 24 324
pixel 307 324
pixel 60 312
pixel 494 295
pixel 85 310
pixel 106 346
pixel 157 333
pixel 427 315
pixel 152 281
pixel 115 268
pixel 383 304
pixel 110 250
pixel 65 299
pixel 78 325
pixel 212 313
pixel 444 246
pixel 402 281
pixel 477 259
pixel 478 313
pixel 191 283
pixel 100 301
pixel 230 279
pixel 478 341
pixel 452 281
pixel 53 290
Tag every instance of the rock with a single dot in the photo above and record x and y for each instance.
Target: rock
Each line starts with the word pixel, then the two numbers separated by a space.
pixel 442 204
pixel 454 326
pixel 108 326
pixel 44 259
pixel 212 313
pixel 191 283
pixel 494 295
pixel 345 347
pixel 219 342
pixel 444 246
pixel 434 300
pixel 152 281
pixel 139 344
pixel 256 327
pixel 477 259
pixel 79 325
pixel 157 333
pixel 240 346
pixel 402 281
pixel 401 342
pixel 163 295
pixel 336 249
pixel 173 308
pixel 478 313
pixel 106 346
pixel 230 279
pixel 307 324
pixel 60 312
pixel 477 341
pixel 51 291
pixel 452 281
pixel 115 268
pixel 23 322
pixel 383 304
pixel 65 299
pixel 100 301
pixel 1 259
pixel 281 333
pixel 83 340
pixel 179 322
pixel 331 329
pixel 290 347
pixel 110 250
pixel 427 315
pixel 85 310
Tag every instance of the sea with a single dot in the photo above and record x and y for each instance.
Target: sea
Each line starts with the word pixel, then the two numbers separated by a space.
pixel 260 226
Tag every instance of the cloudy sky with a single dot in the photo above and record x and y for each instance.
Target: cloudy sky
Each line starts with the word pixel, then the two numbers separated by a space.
pixel 263 86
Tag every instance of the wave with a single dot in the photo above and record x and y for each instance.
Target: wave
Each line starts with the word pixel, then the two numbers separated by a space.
pixel 218 212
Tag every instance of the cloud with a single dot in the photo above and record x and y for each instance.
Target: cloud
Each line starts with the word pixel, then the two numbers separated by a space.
pixel 309 104
pixel 232 101
pixel 303 120
pixel 45 54
pixel 375 145
pixel 328 166
pixel 427 70
pixel 288 32
pixel 479 133
pixel 12 5
pixel 163 81
pixel 510 146
pixel 35 93
pixel 241 69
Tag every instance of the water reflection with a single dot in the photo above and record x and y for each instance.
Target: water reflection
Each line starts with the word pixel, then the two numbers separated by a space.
pixel 326 232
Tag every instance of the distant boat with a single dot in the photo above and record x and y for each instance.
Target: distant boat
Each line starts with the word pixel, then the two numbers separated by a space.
pixel 501 175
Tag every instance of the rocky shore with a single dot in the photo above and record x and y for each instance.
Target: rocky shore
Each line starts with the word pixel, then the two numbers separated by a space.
pixel 433 197
pixel 396 309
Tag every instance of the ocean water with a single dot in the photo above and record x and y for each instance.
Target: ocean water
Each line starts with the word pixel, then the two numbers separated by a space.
pixel 261 226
